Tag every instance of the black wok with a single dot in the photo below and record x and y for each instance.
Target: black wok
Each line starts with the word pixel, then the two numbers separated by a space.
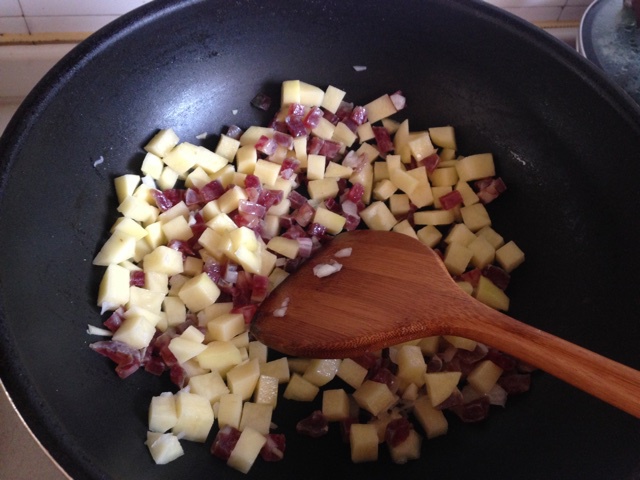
pixel 565 138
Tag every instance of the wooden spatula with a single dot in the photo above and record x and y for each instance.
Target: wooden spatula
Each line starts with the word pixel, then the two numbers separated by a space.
pixel 393 289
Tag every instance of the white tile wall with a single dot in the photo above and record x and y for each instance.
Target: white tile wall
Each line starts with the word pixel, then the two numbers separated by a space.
pixel 40 16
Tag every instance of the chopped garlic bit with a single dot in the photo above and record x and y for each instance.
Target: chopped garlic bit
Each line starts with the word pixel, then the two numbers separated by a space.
pixel 234 111
pixel 282 310
pixel 326 269
pixel 359 68
pixel 345 252
pixel 102 332
pixel 98 161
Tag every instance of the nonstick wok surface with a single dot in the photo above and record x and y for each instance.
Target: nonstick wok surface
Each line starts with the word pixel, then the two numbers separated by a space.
pixel 565 139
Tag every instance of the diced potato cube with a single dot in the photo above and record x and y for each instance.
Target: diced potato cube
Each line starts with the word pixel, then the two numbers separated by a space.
pixel 443 137
pixel 333 222
pixel 209 385
pixel 278 369
pixel 475 167
pixel 381 107
pixel 290 92
pixel 469 197
pixel 444 177
pixel 405 228
pixel 266 171
pixel 440 385
pixel 509 256
pixel 230 410
pixel 457 258
pixel 321 371
pixel 335 405
pixel 168 178
pixel 226 326
pixel 422 195
pixel 384 188
pixel 336 170
pixel 230 200
pixel 429 235
pixel 461 342
pixel 310 95
pixel 117 249
pixel 332 98
pixel 363 439
pixel 493 237
pixel 164 447
pixel 114 288
pixel 136 331
pixel 175 310
pixel 195 417
pixel 344 135
pixel 163 260
pixel 300 389
pixel 365 178
pixel 489 294
pixel 184 349
pixel 399 204
pixel 421 146
pixel 227 147
pixel 475 216
pixel 484 376
pixel 377 216
pixel 256 416
pixel 460 234
pixel 483 252
pixel 351 372
pixel 220 356
pixel 316 165
pixel 298 365
pixel 429 345
pixel 287 247
pixel 407 450
pixel 199 292
pixel 411 365
pixel 162 142
pixel 242 379
pixel 432 420
pixel 258 350
pixel 266 391
pixel 145 299
pixel 125 185
pixel 162 412
pixel 246 450
pixel 434 217
pixel 374 397
pixel 322 189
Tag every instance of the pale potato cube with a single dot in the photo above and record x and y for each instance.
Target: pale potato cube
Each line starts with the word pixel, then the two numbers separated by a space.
pixel 365 178
pixel 421 146
pixel 175 311
pixel 444 177
pixel 429 235
pixel 457 258
pixel 226 326
pixel 483 252
pixel 230 200
pixel 192 266
pixel 344 135
pixel 180 209
pixel 494 238
pixel 246 450
pixel 310 95
pixel 209 385
pixel 333 222
pixel 335 405
pixel 401 142
pixel 321 371
pixel 195 417
pixel 125 185
pixel 162 142
pixel 181 158
pixel 460 234
pixel 489 294
pixel 469 197
pixel 384 188
pixel 266 171
pixel 351 372
pixel 246 159
pixel 197 178
pixel 129 227
pixel 136 331
pixel 324 129
pixel 381 421
pixel 475 216
pixel 377 216
pixel 322 189
pixel 429 345
pixel 422 195
pixel 443 137
pixel 509 256
pixel 266 391
pixel 440 385
pixel 374 397
pixel 164 447
pixel 242 379
pixel 316 165
pixel 152 166
pixel 363 439
pixel 336 170
pixel 155 237
pixel 114 288
pixel 300 149
pixel 399 204
pixel 407 450
pixel 230 410
pixel 381 107
pixel 475 167
pixel 278 369
pixel 380 171
pixel 332 98
pixel 461 342
pixel 145 299
pixel 404 181
pixel 220 356
pixel 276 277
pixel 434 217
pixel 168 178
pixel 256 416
pixel 184 349
pixel 405 228
pixel 290 92
pixel 298 365
pixel 411 364
pixel 222 223
pixel 241 340
pixel 300 389
pixel 227 147
pixel 258 350
pixel 432 420
pixel 117 249
pixel 287 247
pixel 199 292
pixel 162 412
pixel 177 229
pixel 163 260
pixel 438 192
pixel 484 376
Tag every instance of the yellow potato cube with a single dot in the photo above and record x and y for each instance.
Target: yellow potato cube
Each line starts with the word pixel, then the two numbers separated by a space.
pixel 411 365
pixel 374 397
pixel 429 235
pixel 421 146
pixel 483 252
pixel 405 228
pixel 278 369
pixel 114 288
pixel 489 294
pixel 230 410
pixel 226 326
pixel 152 166
pixel 332 98
pixel 287 247
pixel 475 216
pixel 246 159
pixel 460 234
pixel 246 450
pixel 267 171
pixel 344 135
pixel 209 385
pixel 363 439
pixel 444 177
pixel 365 178
pixel 475 167
pixel 469 197
pixel 432 420
pixel 335 405
pixel 162 142
pixel 315 166
pixel 440 385
pixel 163 260
pixel 256 416
pixel 230 199
pixel 220 356
pixel 199 292
pixel 461 342
pixel 377 216
pixel 457 258
pixel 324 129
pixel 300 389
pixel 384 189
pixel 493 237
pixel 168 178
pixel 333 222
pixel 381 107
pixel 365 132
pixel 443 137
pixel 163 447
pixel 321 371
pixel 421 196
pixel 258 350
pixel 136 331
pixel 227 147
pixel 125 185
pixel 484 376
pixel 266 391
pixel 242 379
pixel 290 92
pixel 195 417
pixel 162 413
pixel 310 95
pixel 184 349
pixel 351 372
pixel 177 229
pixel 117 249
pixel 336 170
pixel 434 217
pixel 322 189
pixel 509 256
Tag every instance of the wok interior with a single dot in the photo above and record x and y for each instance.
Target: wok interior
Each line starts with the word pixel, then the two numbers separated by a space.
pixel 564 140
